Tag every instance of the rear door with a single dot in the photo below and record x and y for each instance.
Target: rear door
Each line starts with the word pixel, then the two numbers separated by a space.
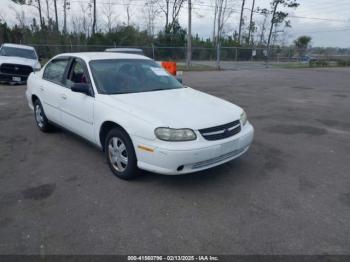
pixel 77 108
pixel 51 86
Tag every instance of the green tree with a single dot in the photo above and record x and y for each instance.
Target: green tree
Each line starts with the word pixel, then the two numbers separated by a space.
pixel 172 36
pixel 302 43
pixel 5 32
pixel 279 17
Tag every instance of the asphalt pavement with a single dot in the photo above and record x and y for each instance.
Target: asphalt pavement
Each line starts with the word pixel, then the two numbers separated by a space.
pixel 289 194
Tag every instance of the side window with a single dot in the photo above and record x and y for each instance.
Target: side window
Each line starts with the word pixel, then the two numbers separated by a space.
pixel 77 74
pixel 54 71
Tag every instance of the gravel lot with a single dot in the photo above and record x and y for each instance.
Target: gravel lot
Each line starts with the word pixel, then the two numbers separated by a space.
pixel 290 194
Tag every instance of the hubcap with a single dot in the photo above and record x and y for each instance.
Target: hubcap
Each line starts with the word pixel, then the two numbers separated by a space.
pixel 118 154
pixel 39 116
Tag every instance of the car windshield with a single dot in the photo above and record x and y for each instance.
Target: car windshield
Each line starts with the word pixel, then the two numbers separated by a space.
pixel 18 52
pixel 120 76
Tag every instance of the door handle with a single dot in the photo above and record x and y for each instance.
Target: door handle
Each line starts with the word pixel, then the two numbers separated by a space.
pixel 63 96
pixel 41 88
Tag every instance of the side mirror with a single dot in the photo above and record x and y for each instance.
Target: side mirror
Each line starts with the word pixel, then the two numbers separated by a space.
pixel 83 88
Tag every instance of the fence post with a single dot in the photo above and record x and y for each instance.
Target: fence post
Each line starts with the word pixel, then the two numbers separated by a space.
pixel 218 47
pixel 153 52
pixel 236 54
pixel 289 54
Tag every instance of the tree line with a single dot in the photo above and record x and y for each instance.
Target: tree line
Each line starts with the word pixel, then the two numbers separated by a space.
pixel 95 26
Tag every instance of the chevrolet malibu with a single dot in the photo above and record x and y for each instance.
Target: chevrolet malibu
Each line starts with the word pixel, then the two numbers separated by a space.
pixel 138 114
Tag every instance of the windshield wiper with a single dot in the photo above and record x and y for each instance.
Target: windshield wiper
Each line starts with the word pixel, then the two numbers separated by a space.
pixel 157 89
pixel 119 93
pixel 141 91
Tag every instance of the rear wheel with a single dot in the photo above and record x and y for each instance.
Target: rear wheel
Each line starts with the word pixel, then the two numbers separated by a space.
pixel 120 154
pixel 41 120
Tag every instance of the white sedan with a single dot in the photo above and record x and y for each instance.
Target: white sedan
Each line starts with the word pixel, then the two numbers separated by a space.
pixel 137 113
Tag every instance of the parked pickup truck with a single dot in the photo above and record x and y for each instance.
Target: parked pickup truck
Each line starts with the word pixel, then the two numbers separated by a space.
pixel 17 62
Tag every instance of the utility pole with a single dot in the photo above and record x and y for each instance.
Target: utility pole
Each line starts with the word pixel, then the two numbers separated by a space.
pixel 241 22
pixel 189 35
pixel 56 15
pixel 94 18
pixel 64 16
pixel 251 21
pixel 218 38
pixel 40 15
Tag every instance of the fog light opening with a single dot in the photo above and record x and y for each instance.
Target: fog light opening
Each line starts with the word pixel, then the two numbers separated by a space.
pixel 180 168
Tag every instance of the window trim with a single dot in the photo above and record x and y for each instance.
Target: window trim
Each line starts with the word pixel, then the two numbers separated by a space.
pixel 73 59
pixel 82 63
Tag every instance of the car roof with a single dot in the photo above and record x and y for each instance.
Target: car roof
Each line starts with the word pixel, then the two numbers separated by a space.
pixel 124 50
pixel 88 56
pixel 19 46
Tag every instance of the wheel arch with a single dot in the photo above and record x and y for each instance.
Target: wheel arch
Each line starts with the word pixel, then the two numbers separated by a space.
pixel 34 98
pixel 107 126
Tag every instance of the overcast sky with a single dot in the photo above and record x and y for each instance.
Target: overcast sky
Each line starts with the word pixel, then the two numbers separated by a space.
pixel 333 31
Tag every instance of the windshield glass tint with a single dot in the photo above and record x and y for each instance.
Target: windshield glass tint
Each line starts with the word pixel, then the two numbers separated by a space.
pixel 19 52
pixel 119 76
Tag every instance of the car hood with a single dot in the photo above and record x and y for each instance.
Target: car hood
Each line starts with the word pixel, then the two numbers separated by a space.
pixel 18 61
pixel 177 108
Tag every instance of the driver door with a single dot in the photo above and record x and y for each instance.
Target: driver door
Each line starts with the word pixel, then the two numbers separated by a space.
pixel 77 108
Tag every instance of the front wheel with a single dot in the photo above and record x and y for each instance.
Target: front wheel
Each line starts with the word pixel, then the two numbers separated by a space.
pixel 41 120
pixel 120 154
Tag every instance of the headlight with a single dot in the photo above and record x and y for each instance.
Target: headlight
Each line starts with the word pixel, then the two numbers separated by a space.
pixel 170 134
pixel 37 67
pixel 244 118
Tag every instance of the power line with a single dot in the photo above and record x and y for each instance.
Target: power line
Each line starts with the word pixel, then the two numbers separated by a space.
pixel 293 16
pixel 318 18
pixel 326 10
pixel 212 6
pixel 317 5
pixel 327 31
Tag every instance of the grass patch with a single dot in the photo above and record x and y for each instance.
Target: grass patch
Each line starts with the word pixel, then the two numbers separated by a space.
pixel 291 65
pixel 312 64
pixel 195 67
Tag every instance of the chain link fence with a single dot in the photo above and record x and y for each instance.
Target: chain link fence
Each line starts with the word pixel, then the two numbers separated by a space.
pixel 230 57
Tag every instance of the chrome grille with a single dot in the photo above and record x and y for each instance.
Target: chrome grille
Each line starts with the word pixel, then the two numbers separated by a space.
pixel 218 159
pixel 222 131
pixel 14 69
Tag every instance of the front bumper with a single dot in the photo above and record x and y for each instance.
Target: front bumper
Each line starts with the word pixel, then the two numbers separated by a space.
pixel 11 78
pixel 176 161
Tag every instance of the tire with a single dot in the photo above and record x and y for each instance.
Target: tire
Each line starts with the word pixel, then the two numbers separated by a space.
pixel 40 118
pixel 120 154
